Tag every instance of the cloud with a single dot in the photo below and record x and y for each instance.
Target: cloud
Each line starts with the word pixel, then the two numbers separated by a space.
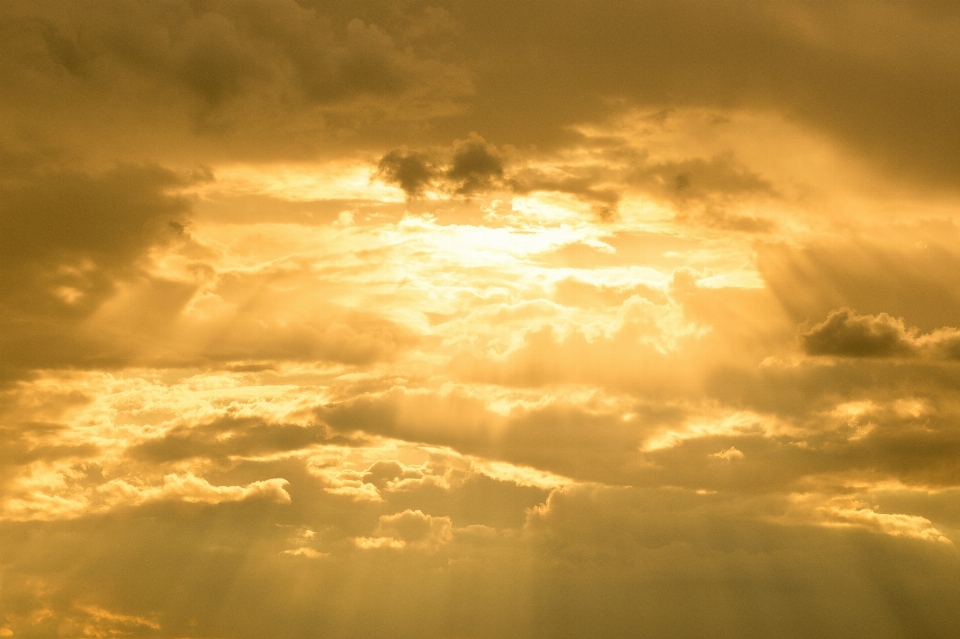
pixel 355 338
pixel 587 183
pixel 411 171
pixel 579 438
pixel 476 165
pixel 59 500
pixel 257 75
pixel 698 178
pixel 573 292
pixel 192 489
pixel 226 437
pixel 473 167
pixel 305 551
pixel 701 189
pixel 71 227
pixel 842 512
pixel 896 525
pixel 227 64
pixel 26 443
pixel 729 454
pixel 846 334
pixel 792 59
pixel 68 240
pixel 409 529
pixel 318 314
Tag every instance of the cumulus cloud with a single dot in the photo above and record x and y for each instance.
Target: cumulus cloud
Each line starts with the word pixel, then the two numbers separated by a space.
pixel 473 166
pixel 890 524
pixel 476 165
pixel 703 190
pixel 846 334
pixel 411 171
pixel 305 551
pixel 408 529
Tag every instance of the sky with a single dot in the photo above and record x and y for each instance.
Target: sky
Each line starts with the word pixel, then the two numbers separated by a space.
pixel 476 320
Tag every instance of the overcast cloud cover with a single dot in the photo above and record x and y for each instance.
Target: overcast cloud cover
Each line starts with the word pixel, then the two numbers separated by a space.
pixel 471 320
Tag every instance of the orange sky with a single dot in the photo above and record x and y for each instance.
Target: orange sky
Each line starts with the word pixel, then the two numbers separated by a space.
pixel 479 320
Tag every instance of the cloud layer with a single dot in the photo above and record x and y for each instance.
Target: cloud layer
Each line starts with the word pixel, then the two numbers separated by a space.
pixel 442 319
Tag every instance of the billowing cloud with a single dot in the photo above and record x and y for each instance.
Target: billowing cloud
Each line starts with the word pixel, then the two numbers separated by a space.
pixel 222 66
pixel 409 529
pixel 473 166
pixel 847 334
pixel 410 170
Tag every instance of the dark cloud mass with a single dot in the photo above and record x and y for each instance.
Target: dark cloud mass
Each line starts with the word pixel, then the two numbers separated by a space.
pixel 474 166
pixel 436 319
pixel 411 171
pixel 847 334
pixel 68 238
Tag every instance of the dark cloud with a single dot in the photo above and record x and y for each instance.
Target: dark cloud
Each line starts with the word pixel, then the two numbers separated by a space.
pixel 260 71
pixel 613 527
pixel 476 165
pixel 411 171
pixel 62 218
pixel 702 190
pixel 473 167
pixel 585 186
pixel 227 69
pixel 593 184
pixel 584 560
pixel 799 394
pixel 68 238
pixel 846 334
pixel 795 58
pixel 698 178
pixel 22 444
pixel 585 446
pixel 226 437
pixel 222 49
